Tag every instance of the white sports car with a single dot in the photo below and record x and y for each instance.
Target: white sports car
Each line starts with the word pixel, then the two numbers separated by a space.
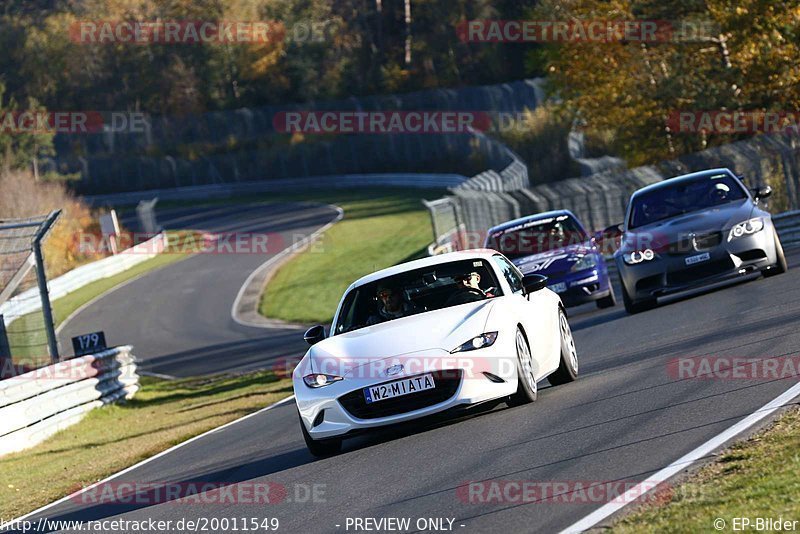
pixel 435 334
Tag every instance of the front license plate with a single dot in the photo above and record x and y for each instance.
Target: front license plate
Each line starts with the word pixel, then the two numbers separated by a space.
pixel 559 288
pixel 691 260
pixel 399 388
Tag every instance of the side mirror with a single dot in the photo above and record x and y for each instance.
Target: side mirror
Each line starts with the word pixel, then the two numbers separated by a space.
pixel 615 230
pixel 533 283
pixel 314 335
pixel 762 192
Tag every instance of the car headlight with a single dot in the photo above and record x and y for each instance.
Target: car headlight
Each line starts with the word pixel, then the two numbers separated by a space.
pixel 584 262
pixel 315 380
pixel 478 342
pixel 639 256
pixel 746 228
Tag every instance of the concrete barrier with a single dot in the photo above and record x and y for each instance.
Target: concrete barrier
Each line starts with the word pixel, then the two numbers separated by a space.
pixel 37 404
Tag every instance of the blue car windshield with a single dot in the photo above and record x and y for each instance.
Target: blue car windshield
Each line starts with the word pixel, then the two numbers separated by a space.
pixel 684 197
pixel 537 236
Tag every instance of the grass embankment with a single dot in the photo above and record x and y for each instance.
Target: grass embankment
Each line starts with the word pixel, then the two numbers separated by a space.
pixel 754 478
pixel 379 229
pixel 162 414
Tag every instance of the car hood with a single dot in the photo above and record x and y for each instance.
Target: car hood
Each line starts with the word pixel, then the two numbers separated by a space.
pixel 440 330
pixel 660 234
pixel 553 261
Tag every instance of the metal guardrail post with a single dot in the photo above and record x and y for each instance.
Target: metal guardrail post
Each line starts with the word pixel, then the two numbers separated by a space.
pixel 41 279
pixel 5 350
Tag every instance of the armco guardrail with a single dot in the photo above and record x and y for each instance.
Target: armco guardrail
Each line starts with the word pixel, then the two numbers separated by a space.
pixel 23 303
pixel 37 404
pixel 227 190
pixel 788 226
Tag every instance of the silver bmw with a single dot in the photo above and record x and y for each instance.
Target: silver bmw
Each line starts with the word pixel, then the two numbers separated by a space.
pixel 694 230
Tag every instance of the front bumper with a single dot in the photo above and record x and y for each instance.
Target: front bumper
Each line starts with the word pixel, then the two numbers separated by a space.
pixel 582 287
pixel 340 409
pixel 669 273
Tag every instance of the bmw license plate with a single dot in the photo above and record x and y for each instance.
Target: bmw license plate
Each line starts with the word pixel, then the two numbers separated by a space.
pixel 399 388
pixel 559 288
pixel 691 260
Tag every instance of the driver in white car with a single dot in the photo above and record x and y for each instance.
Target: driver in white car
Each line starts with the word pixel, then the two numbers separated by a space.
pixel 391 306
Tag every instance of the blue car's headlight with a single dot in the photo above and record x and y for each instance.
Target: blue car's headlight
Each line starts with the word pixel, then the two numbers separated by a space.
pixel 584 262
pixel 316 380
pixel 746 228
pixel 478 342
pixel 638 256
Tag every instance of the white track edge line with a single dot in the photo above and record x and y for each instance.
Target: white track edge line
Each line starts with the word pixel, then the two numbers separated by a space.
pixel 685 461
pixel 12 522
pixel 280 255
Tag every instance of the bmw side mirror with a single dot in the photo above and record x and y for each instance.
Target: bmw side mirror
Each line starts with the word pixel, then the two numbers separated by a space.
pixel 762 192
pixel 314 335
pixel 533 283
pixel 615 230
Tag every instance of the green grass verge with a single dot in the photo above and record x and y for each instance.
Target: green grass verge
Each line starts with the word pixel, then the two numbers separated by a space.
pixel 754 478
pixel 162 414
pixel 27 336
pixel 378 230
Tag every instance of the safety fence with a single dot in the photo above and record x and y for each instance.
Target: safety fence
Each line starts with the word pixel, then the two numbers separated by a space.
pixel 37 404
pixel 600 199
pixel 243 145
pixel 27 331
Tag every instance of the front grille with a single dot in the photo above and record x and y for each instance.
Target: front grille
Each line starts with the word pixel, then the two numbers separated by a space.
pixel 704 270
pixel 689 243
pixel 447 383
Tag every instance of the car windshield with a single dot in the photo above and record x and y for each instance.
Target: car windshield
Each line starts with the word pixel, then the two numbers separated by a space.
pixel 685 197
pixel 534 237
pixel 415 292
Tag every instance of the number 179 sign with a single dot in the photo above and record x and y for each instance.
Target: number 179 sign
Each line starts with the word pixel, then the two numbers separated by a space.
pixel 89 343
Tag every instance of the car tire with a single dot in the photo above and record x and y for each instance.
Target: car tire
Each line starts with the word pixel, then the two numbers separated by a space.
pixel 527 389
pixel 607 302
pixel 781 266
pixel 568 365
pixel 320 448
pixel 632 306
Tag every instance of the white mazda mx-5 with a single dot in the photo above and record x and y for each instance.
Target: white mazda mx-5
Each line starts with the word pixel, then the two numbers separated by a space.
pixel 435 334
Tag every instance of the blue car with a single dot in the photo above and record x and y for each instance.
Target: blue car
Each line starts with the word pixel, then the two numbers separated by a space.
pixel 556 244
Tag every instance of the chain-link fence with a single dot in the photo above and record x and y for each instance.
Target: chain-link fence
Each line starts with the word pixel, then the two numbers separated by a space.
pixel 27 329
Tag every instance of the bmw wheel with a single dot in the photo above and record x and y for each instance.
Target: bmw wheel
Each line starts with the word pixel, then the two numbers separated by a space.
pixel 781 266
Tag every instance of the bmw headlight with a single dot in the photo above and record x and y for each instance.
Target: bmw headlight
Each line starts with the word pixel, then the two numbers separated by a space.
pixel 746 228
pixel 478 342
pixel 316 380
pixel 639 256
pixel 584 262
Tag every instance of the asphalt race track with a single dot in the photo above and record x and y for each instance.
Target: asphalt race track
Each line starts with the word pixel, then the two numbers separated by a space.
pixel 625 418
pixel 178 318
